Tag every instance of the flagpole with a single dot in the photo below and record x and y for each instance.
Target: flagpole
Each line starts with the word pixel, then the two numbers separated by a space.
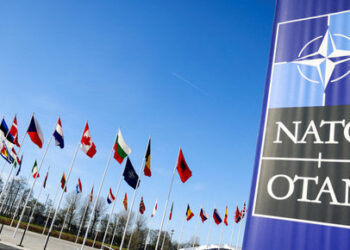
pixel 116 197
pixel 132 205
pixel 232 233
pixel 166 205
pixel 132 233
pixel 239 232
pixel 19 150
pixel 242 235
pixel 222 232
pixel 62 193
pixel 115 230
pixel 182 229
pixel 166 229
pixel 33 184
pixel 18 205
pixel 65 217
pixel 49 214
pixel 30 218
pixel 98 193
pixel 209 232
pixel 82 220
pixel 149 230
pixel 195 232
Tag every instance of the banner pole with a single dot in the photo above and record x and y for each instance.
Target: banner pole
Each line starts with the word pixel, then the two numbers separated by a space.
pixel 209 232
pixel 65 217
pixel 222 232
pixel 49 214
pixel 149 229
pixel 115 230
pixel 33 184
pixel 110 214
pixel 166 205
pixel 195 232
pixel 132 233
pixel 132 205
pixel 182 229
pixel 82 220
pixel 62 193
pixel 232 233
pixel 98 194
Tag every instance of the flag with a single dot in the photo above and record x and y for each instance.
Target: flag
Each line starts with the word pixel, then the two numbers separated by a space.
pixel 79 187
pixel 63 182
pixel 46 176
pixel 217 217
pixel 182 168
pixel 142 206
pixel 15 159
pixel 243 211
pixel 121 149
pixel 14 131
pixel 35 133
pixel 4 132
pixel 92 194
pixel 20 166
pixel 58 134
pixel 125 202
pixel 203 215
pixel 87 145
pixel 154 210
pixel 171 211
pixel 130 175
pixel 35 172
pixel 225 218
pixel 189 213
pixel 110 197
pixel 5 152
pixel 237 215
pixel 147 169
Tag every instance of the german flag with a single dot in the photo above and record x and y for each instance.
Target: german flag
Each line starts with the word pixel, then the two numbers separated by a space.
pixel 147 169
pixel 189 213
pixel 125 202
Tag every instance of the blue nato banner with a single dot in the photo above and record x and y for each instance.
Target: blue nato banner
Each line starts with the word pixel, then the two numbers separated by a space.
pixel 300 194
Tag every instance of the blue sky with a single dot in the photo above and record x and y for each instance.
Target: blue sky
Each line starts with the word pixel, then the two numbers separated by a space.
pixel 186 73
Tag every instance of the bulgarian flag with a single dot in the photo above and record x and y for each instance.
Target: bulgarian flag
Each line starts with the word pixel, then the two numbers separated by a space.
pixel 121 149
pixel 35 170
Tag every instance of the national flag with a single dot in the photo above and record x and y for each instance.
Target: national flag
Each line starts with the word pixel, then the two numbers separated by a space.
pixel 142 206
pixel 189 213
pixel 35 133
pixel 46 176
pixel 243 211
pixel 203 215
pixel 182 168
pixel 15 159
pixel 130 175
pixel 87 145
pixel 125 202
pixel 5 133
pixel 20 166
pixel 92 194
pixel 5 153
pixel 110 197
pixel 237 215
pixel 58 134
pixel 14 131
pixel 217 217
pixel 63 182
pixel 225 218
pixel 147 169
pixel 121 149
pixel 79 187
pixel 35 172
pixel 171 211
pixel 154 209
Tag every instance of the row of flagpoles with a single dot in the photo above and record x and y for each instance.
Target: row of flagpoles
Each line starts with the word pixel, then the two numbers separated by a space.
pixel 120 150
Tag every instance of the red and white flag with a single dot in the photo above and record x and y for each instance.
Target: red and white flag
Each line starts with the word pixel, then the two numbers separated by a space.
pixel 87 145
pixel 154 210
pixel 14 131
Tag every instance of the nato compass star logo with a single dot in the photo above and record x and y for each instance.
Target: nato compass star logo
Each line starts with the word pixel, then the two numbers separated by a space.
pixel 311 62
pixel 325 60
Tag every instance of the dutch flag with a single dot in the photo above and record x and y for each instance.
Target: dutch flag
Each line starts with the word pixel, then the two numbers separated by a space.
pixel 110 197
pixel 58 134
pixel 79 187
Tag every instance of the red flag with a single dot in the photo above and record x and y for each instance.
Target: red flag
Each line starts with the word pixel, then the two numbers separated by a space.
pixel 92 194
pixel 35 133
pixel 237 215
pixel 47 175
pixel 225 218
pixel 87 145
pixel 182 168
pixel 14 131
pixel 125 202
pixel 142 206
pixel 171 211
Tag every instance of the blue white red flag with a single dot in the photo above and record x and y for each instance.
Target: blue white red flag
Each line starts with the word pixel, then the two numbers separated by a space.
pixel 35 133
pixel 217 217
pixel 79 187
pixel 58 134
pixel 110 197
pixel 203 215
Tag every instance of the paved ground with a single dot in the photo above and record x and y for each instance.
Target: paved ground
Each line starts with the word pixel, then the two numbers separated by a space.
pixel 33 241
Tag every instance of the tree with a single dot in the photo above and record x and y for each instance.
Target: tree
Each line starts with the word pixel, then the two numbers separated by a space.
pixel 99 211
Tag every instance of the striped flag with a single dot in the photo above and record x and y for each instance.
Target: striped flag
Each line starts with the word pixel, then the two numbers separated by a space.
pixel 189 213
pixel 79 187
pixel 225 218
pixel 58 134
pixel 121 149
pixel 46 176
pixel 92 194
pixel 154 209
pixel 110 197
pixel 147 169
pixel 35 172
pixel 171 211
